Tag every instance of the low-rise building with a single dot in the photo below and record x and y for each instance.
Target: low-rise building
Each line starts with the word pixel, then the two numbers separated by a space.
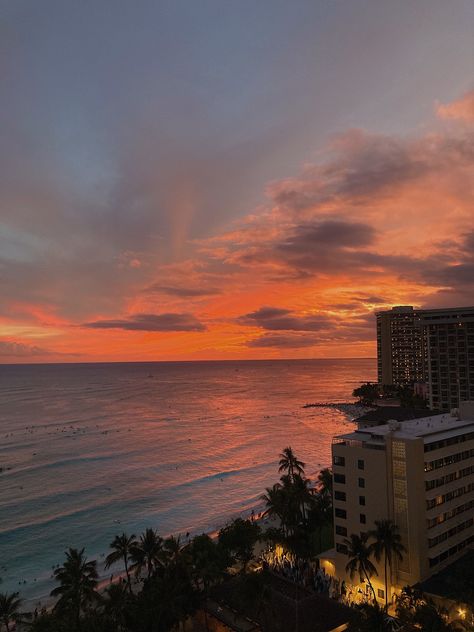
pixel 417 473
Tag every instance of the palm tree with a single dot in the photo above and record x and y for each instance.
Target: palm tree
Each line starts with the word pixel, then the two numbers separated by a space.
pixel 325 482
pixel 208 562
pixel 430 618
pixel 148 553
pixel 301 492
pixel 281 502
pixel 78 582
pixel 174 552
pixel 273 499
pixel 359 559
pixel 320 516
pixel 116 601
pixel 371 618
pixel 289 463
pixel 388 543
pixel 9 609
pixel 122 548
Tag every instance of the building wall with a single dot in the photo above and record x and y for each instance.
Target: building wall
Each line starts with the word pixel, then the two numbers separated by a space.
pixel 407 502
pixel 365 472
pixel 427 492
pixel 436 346
pixel 399 347
pixel 449 363
pixel 453 502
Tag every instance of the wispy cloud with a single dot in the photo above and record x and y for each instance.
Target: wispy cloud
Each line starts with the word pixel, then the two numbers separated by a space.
pixel 150 322
pixel 274 318
pixel 181 292
pixel 461 109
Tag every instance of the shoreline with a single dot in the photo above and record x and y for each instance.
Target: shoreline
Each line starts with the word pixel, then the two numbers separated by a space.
pixel 46 602
pixel 109 576
pixel 351 409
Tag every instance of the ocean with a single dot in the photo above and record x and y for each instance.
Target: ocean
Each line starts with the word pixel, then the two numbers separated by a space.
pixel 88 451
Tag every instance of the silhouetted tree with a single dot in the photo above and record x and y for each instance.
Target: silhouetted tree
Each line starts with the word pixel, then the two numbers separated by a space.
pixel 388 544
pixel 148 552
pixel 77 579
pixel 289 463
pixel 367 393
pixel 10 605
pixel 122 549
pixel 239 539
pixel 359 562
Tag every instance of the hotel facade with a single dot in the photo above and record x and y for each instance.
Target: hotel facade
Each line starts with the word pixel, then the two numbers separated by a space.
pixel 420 475
pixel 433 346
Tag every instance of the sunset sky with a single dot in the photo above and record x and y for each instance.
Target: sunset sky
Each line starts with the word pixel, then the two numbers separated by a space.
pixel 219 179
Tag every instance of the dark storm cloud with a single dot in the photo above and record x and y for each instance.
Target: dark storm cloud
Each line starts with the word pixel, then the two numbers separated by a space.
pixel 151 322
pixel 275 319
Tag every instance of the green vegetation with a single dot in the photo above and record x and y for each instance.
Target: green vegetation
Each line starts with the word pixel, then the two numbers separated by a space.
pixel 409 399
pixel 239 539
pixel 387 545
pixel 123 548
pixel 367 393
pixel 10 606
pixel 359 552
pixel 303 512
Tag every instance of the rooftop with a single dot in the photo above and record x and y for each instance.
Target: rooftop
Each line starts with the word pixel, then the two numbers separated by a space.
pixel 433 427
pixel 384 414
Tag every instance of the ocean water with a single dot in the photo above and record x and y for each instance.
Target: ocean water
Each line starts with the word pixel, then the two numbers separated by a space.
pixel 90 450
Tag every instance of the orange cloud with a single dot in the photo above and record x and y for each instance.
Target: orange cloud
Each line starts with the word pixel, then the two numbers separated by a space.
pixel 462 109
pixel 377 220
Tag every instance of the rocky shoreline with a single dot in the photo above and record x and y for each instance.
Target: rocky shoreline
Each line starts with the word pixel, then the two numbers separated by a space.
pixel 351 409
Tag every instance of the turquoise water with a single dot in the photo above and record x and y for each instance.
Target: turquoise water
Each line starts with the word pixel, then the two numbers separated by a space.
pixel 90 450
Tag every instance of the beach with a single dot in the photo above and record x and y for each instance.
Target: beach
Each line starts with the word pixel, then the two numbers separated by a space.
pixel 89 451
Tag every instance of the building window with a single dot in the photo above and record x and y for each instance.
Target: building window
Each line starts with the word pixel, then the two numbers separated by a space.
pixel 363 519
pixel 339 495
pixel 339 478
pixel 340 513
pixel 399 469
pixel 338 460
pixel 361 482
pixel 362 500
pixel 398 449
pixel 360 464
pixel 380 593
pixel 341 548
pixel 341 530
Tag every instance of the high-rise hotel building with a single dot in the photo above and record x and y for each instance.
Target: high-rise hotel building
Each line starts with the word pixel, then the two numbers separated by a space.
pixel 399 346
pixel 420 475
pixel 448 350
pixel 435 346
